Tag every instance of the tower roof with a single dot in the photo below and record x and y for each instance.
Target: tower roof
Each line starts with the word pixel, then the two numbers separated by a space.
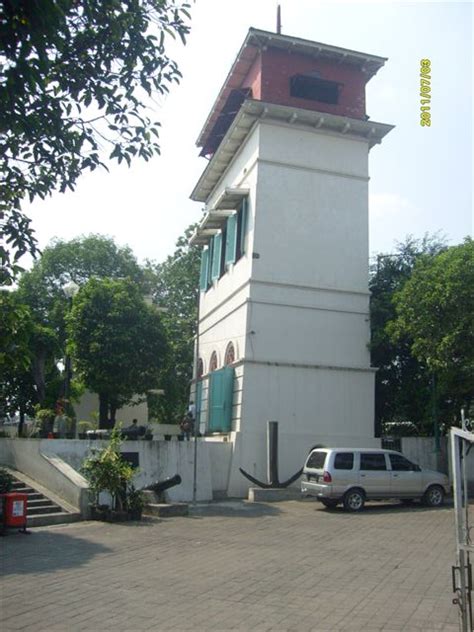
pixel 257 40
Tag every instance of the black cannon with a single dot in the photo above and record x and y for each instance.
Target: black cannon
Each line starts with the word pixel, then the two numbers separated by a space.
pixel 161 486
pixel 133 432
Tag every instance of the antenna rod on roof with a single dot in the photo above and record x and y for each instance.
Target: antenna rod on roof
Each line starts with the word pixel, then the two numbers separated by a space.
pixel 279 19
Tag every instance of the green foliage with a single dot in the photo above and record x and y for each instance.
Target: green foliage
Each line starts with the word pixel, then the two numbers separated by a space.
pixel 33 335
pixel 117 342
pixel 105 470
pixel 6 481
pixel 135 500
pixel 402 382
pixel 435 309
pixel 176 289
pixel 77 260
pixel 15 333
pixel 75 77
pixel 44 419
pixel 84 426
pixel 17 341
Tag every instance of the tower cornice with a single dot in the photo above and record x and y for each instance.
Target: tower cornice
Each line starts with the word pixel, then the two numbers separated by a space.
pixel 253 111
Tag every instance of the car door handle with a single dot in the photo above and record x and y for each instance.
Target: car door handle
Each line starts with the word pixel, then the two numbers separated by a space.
pixel 395 475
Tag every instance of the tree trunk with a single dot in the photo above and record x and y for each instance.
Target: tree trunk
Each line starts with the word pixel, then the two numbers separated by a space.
pixel 113 412
pixel 21 424
pixel 38 375
pixel 103 411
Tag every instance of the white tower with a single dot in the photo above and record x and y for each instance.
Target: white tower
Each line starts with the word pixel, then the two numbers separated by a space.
pixel 284 309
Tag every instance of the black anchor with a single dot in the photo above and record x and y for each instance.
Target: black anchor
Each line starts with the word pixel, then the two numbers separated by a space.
pixel 272 456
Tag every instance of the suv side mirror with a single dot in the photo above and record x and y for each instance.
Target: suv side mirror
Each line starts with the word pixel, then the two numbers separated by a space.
pixel 416 468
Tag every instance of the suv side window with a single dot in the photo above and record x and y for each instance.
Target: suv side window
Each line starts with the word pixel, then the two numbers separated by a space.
pixel 316 460
pixel 372 461
pixel 344 461
pixel 400 464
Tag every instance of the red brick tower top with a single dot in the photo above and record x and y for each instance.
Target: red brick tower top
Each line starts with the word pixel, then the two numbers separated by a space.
pixel 290 71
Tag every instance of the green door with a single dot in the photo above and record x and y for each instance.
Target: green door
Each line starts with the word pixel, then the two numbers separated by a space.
pixel 221 390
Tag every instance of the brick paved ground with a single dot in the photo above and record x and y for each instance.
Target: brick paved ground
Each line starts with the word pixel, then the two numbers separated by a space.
pixel 234 566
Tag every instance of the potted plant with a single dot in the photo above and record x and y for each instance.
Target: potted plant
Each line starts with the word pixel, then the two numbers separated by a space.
pixel 107 471
pixel 135 503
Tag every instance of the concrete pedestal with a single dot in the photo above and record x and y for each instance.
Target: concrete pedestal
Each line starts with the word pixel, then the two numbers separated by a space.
pixel 259 495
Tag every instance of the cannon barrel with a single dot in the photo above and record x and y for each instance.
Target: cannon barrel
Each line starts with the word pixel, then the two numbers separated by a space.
pixel 160 486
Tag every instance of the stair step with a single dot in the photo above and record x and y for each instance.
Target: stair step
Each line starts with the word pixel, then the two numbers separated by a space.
pixel 23 490
pixel 34 511
pixel 42 511
pixel 16 484
pixel 60 517
pixel 36 496
pixel 38 502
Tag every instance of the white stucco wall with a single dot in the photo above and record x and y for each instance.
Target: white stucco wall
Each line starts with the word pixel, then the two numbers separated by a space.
pixel 89 404
pixel 55 464
pixel 157 460
pixel 297 304
pixel 313 406
pixel 311 225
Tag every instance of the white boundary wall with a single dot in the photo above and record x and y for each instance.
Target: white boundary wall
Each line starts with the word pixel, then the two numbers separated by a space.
pixel 55 463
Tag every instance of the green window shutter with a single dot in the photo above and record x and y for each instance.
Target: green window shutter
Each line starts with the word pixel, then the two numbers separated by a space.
pixel 243 223
pixel 204 270
pixel 216 257
pixel 209 261
pixel 198 402
pixel 231 239
pixel 221 391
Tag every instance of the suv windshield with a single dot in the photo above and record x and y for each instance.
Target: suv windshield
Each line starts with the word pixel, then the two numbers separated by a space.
pixel 316 460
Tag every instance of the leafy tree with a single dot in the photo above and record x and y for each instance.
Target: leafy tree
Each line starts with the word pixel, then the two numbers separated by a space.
pixel 177 290
pixel 402 382
pixel 16 383
pixel 74 80
pixel 41 289
pixel 26 363
pixel 435 309
pixel 117 342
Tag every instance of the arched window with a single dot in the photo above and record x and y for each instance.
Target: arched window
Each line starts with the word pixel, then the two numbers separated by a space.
pixel 229 354
pixel 213 362
pixel 200 368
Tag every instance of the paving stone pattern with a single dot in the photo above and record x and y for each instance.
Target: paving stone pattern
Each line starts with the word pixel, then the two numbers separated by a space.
pixel 236 566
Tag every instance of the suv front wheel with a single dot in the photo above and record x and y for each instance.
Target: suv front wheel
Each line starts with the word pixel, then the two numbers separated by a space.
pixel 354 500
pixel 434 496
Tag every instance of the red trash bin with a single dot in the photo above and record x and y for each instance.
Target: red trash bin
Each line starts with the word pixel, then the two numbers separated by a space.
pixel 14 507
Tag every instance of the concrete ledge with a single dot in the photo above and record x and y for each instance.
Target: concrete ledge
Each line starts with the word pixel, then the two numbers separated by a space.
pixel 259 495
pixel 165 510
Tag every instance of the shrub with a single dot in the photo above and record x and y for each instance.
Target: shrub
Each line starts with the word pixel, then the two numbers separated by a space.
pixel 106 471
pixel 6 481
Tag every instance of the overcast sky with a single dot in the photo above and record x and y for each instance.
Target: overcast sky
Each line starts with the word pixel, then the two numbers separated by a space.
pixel 421 178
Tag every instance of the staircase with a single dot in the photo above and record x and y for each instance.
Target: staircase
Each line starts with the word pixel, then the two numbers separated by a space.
pixel 42 510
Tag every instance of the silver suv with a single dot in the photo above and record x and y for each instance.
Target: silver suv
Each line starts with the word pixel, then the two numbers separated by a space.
pixel 354 475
